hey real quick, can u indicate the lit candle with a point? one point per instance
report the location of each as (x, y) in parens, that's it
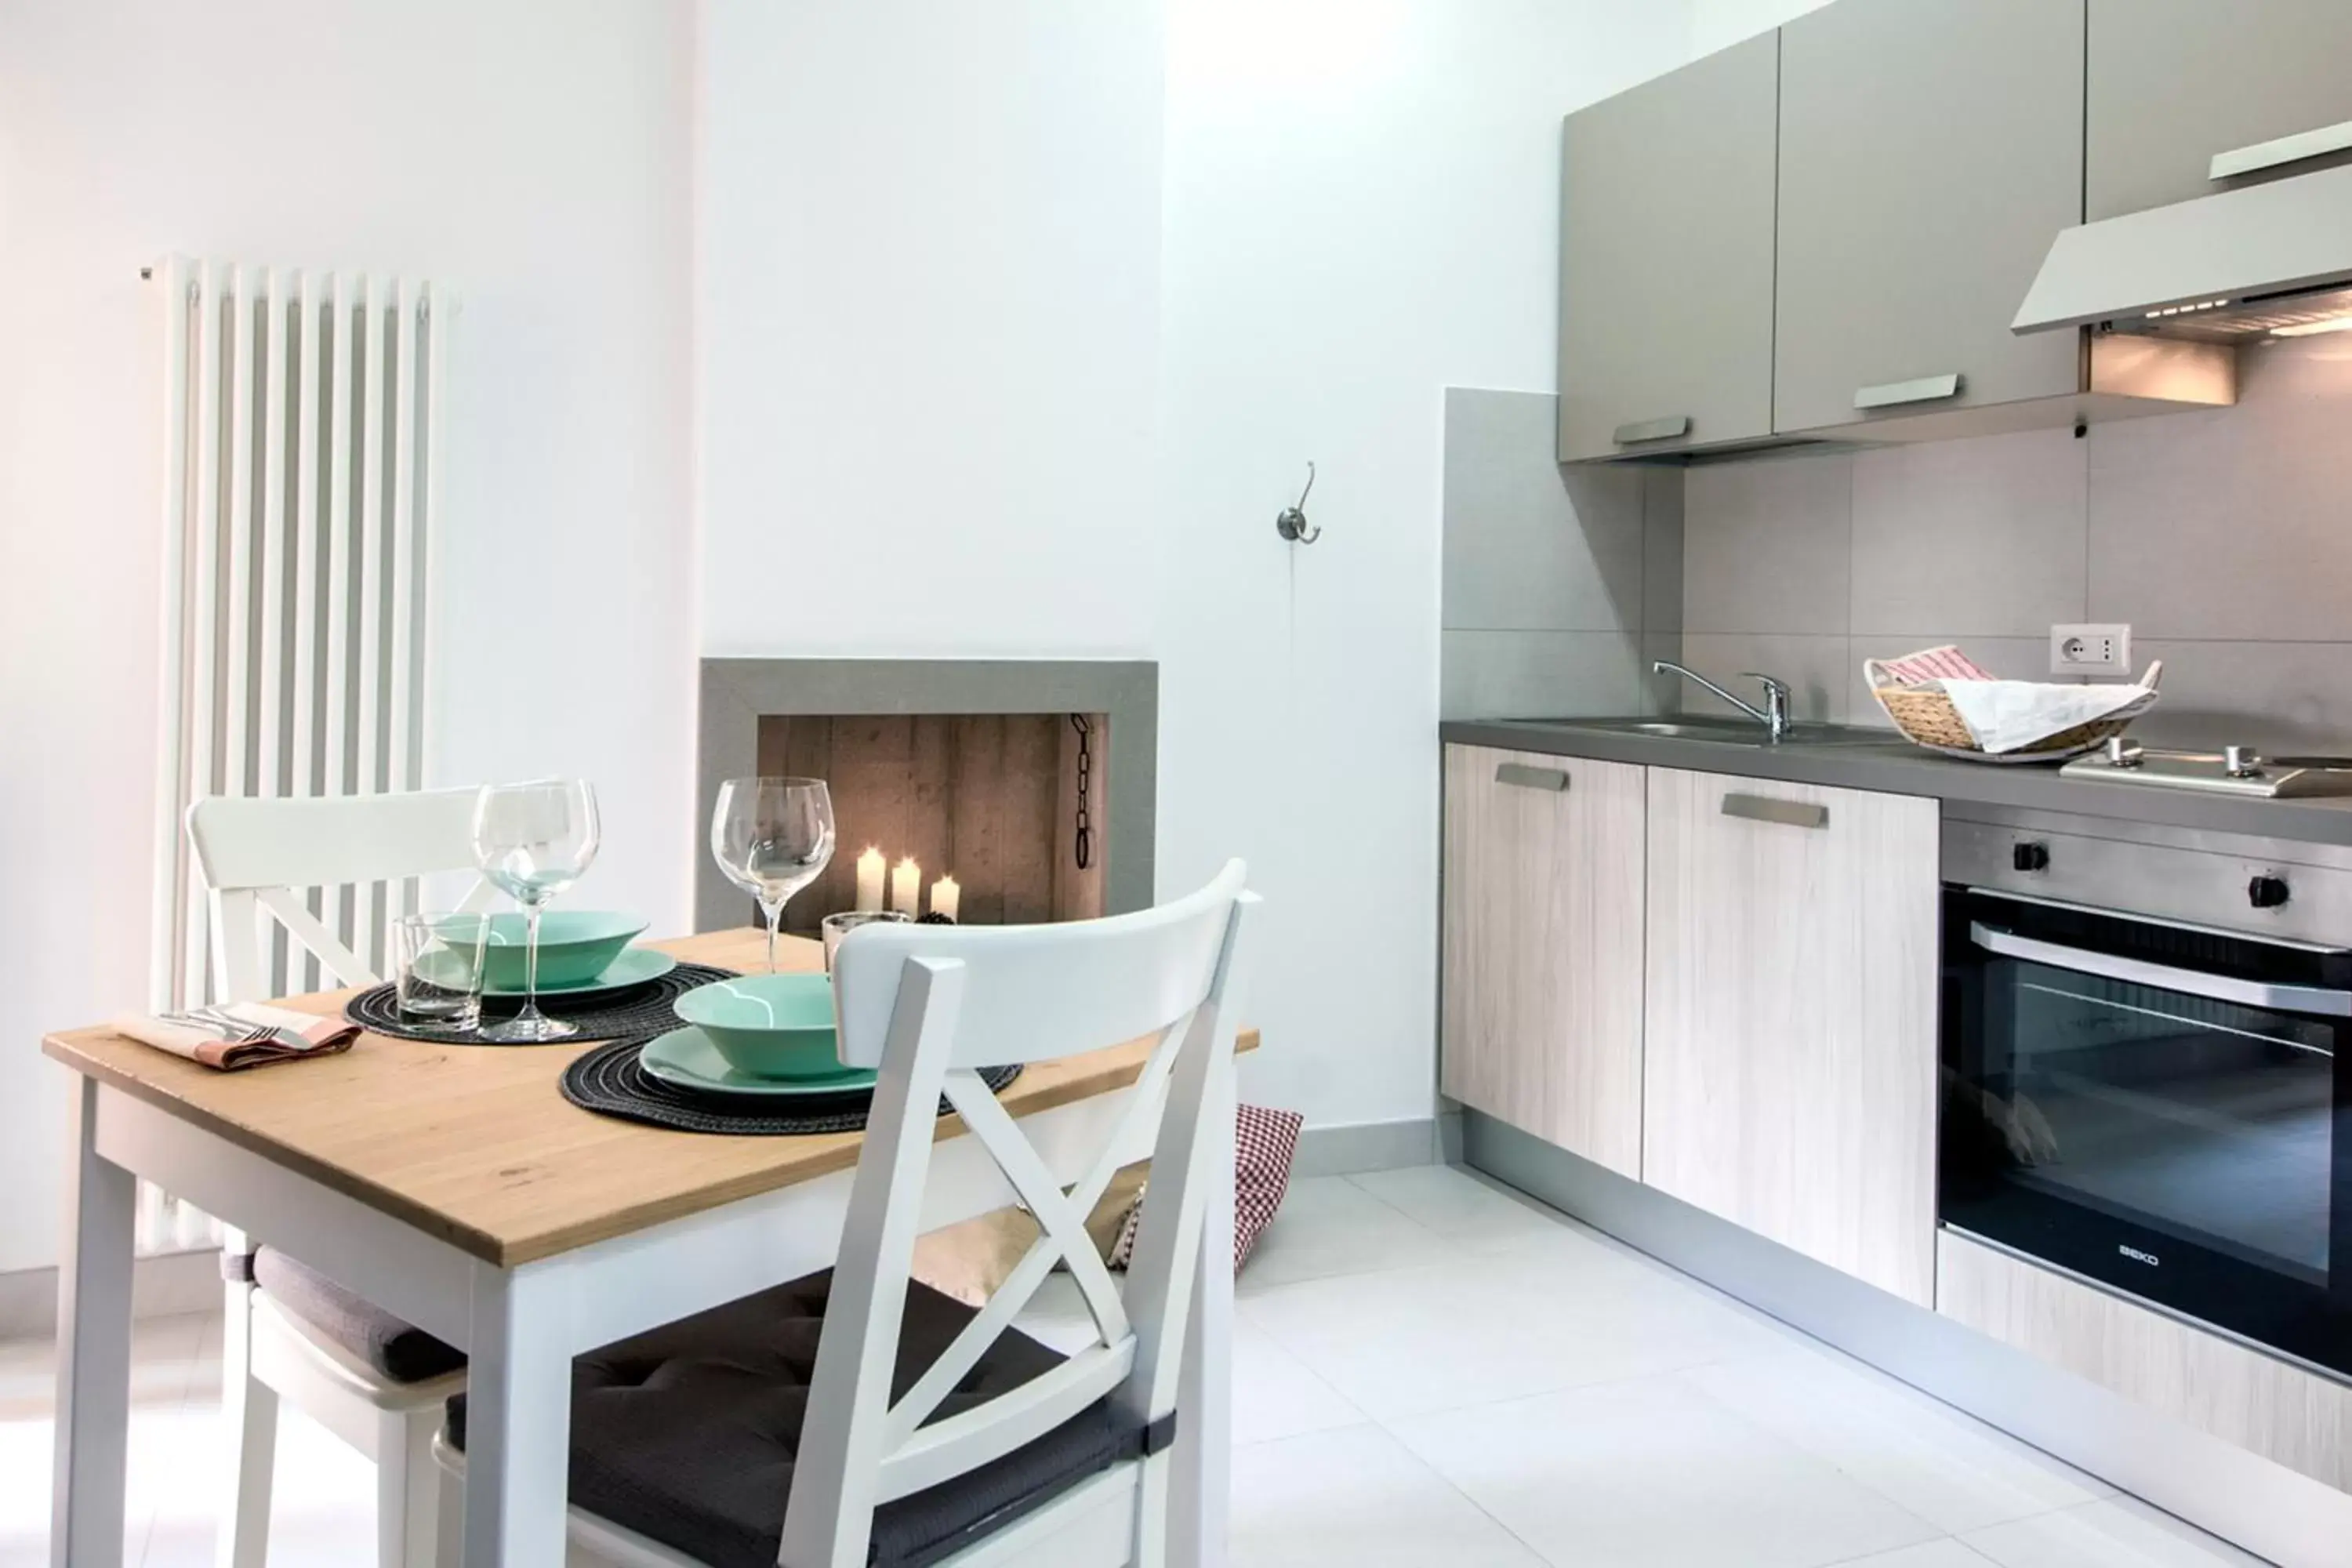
(870, 866)
(906, 887)
(946, 896)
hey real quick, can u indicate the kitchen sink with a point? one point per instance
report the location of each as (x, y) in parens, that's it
(1719, 732)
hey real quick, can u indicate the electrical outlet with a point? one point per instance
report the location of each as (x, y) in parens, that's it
(2101, 648)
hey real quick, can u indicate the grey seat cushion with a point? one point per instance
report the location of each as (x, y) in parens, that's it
(398, 1351)
(687, 1433)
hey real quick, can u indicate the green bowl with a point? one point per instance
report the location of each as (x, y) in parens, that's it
(769, 1025)
(574, 946)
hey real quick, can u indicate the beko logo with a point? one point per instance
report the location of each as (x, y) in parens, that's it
(2136, 1255)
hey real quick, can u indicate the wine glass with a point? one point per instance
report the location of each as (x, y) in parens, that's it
(532, 841)
(772, 837)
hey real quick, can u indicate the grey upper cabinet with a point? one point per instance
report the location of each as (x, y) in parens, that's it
(2174, 82)
(1929, 150)
(1666, 261)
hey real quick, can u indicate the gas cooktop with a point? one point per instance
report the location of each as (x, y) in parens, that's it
(2233, 770)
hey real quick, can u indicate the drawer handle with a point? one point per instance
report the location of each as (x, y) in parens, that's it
(1894, 393)
(2286, 150)
(1764, 808)
(1643, 430)
(1525, 777)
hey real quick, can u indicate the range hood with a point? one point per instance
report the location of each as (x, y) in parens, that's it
(2267, 260)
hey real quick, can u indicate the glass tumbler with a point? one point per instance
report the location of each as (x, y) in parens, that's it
(835, 927)
(439, 959)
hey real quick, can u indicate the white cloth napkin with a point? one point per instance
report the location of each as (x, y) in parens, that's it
(2010, 715)
(256, 1034)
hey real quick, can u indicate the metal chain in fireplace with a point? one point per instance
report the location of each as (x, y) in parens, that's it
(1083, 846)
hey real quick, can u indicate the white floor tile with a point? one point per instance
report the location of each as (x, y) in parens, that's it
(1329, 1226)
(2116, 1532)
(161, 1351)
(1357, 1499)
(322, 1494)
(1605, 1284)
(1458, 1206)
(1652, 1474)
(1928, 1554)
(1956, 1473)
(1274, 1395)
(1464, 1333)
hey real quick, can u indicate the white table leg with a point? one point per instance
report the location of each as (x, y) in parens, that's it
(248, 1429)
(1203, 1481)
(93, 1347)
(517, 1419)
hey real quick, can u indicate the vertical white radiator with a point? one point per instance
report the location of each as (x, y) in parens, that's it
(301, 436)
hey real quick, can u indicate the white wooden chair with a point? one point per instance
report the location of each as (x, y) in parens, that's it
(928, 1005)
(338, 1359)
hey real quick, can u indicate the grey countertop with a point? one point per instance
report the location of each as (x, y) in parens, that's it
(1900, 768)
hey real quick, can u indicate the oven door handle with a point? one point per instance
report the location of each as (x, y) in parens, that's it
(2139, 972)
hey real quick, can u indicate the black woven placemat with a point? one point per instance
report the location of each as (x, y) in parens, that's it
(611, 1081)
(636, 1012)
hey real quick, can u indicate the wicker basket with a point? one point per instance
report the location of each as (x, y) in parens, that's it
(1927, 718)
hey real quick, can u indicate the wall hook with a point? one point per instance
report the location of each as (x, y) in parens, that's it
(1292, 523)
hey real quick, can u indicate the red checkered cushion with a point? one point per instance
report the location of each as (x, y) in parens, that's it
(1264, 1144)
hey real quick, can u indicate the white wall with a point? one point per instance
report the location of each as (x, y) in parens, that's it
(1001, 373)
(535, 156)
(1361, 210)
(1718, 23)
(929, 295)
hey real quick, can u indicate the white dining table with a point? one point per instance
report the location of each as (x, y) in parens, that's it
(455, 1186)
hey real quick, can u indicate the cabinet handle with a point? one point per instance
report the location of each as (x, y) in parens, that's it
(1652, 430)
(1764, 808)
(1892, 393)
(2285, 150)
(1526, 777)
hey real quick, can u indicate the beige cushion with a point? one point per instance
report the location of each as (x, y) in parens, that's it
(969, 1262)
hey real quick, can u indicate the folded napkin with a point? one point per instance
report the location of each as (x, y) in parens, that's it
(247, 1035)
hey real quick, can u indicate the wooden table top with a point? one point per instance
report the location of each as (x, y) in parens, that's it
(478, 1145)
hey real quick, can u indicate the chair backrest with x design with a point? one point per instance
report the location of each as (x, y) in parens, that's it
(927, 1007)
(256, 854)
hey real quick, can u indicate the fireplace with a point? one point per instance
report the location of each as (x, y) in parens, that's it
(1029, 782)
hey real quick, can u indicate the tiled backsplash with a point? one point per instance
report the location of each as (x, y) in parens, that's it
(1559, 583)
(2224, 538)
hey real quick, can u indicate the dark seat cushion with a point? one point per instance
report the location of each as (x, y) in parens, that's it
(398, 1351)
(688, 1434)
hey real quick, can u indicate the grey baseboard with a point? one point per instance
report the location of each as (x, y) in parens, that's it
(1349, 1148)
(2266, 1509)
(161, 1286)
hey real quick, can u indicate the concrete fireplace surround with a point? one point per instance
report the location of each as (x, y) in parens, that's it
(737, 693)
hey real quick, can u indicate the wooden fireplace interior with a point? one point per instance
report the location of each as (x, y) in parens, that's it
(991, 799)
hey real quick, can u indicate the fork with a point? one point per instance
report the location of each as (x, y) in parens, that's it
(234, 1030)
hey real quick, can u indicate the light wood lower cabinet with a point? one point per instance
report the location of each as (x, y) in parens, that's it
(2196, 1377)
(1790, 1039)
(1542, 967)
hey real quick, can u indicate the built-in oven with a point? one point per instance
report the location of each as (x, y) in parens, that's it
(2144, 1081)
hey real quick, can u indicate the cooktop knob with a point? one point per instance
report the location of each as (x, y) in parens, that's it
(2030, 857)
(2267, 892)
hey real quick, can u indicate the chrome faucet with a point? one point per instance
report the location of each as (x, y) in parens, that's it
(1773, 715)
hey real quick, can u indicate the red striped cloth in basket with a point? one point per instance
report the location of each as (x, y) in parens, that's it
(1946, 663)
